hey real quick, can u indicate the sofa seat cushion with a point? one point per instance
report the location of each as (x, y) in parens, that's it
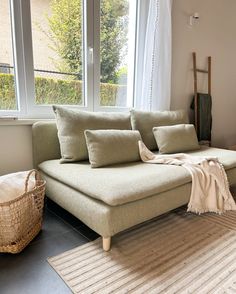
(123, 183)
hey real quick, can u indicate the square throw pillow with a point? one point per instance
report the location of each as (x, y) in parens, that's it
(177, 138)
(107, 147)
(71, 125)
(144, 121)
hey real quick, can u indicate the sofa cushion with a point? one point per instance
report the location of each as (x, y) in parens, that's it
(177, 138)
(145, 121)
(123, 183)
(106, 147)
(71, 125)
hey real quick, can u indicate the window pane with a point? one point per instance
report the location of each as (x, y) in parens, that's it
(57, 48)
(7, 85)
(117, 44)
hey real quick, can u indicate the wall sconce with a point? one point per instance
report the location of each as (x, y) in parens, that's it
(193, 19)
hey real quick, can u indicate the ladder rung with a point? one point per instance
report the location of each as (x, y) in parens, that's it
(202, 70)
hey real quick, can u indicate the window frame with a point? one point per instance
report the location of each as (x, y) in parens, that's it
(21, 27)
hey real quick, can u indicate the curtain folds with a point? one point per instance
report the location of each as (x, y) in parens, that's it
(153, 77)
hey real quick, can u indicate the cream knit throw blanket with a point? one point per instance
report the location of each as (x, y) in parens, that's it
(13, 185)
(210, 189)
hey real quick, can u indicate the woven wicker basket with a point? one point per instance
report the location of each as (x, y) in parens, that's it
(21, 218)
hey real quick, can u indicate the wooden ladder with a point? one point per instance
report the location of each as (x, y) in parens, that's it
(195, 71)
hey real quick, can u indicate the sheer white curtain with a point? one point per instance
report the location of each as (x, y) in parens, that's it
(153, 66)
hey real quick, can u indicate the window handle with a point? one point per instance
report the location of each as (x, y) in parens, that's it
(90, 51)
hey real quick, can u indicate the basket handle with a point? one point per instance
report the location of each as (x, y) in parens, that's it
(37, 177)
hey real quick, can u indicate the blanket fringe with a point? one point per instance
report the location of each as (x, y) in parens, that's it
(201, 210)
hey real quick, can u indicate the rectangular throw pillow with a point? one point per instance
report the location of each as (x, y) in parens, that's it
(178, 138)
(144, 121)
(107, 147)
(71, 125)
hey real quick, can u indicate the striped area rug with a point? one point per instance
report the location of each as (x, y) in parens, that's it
(175, 253)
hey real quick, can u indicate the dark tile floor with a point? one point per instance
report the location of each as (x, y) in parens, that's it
(29, 272)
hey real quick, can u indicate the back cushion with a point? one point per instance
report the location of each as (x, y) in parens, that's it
(177, 138)
(71, 125)
(145, 121)
(107, 147)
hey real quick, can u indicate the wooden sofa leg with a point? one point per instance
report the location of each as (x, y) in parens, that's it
(106, 243)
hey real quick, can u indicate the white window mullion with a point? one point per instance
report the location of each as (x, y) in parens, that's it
(89, 54)
(131, 52)
(28, 57)
(142, 16)
(96, 73)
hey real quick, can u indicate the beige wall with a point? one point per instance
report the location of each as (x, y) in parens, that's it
(214, 35)
(15, 149)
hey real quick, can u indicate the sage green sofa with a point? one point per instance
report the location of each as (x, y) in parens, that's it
(114, 198)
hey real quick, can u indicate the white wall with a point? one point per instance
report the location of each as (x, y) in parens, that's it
(214, 35)
(15, 148)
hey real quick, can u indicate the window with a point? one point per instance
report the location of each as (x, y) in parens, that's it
(7, 84)
(79, 53)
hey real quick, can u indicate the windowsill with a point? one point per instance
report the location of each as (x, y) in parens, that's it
(21, 122)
